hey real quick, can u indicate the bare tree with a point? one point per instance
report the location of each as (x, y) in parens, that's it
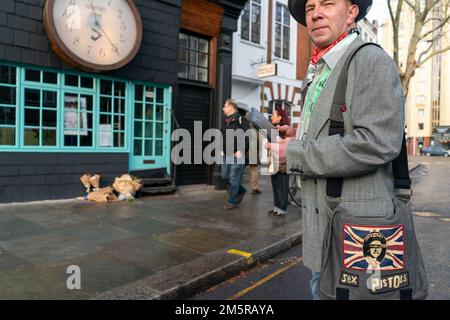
(431, 17)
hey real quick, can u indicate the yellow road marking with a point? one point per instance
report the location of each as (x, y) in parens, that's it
(264, 280)
(427, 214)
(445, 219)
(248, 255)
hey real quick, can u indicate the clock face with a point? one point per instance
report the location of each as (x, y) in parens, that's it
(95, 34)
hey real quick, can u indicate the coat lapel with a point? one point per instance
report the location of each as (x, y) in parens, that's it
(322, 108)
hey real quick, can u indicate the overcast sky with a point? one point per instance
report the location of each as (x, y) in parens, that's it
(379, 11)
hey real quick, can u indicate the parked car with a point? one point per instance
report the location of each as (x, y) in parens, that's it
(436, 151)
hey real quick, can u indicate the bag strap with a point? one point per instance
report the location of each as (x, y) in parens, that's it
(399, 165)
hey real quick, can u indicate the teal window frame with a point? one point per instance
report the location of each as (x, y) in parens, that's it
(61, 89)
(5, 106)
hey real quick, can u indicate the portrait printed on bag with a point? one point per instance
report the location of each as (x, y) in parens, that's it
(373, 247)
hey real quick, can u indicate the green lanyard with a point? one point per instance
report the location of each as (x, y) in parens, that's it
(312, 96)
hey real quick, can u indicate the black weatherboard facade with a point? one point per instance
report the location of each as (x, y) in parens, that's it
(29, 176)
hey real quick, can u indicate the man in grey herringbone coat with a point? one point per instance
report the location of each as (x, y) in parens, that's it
(373, 122)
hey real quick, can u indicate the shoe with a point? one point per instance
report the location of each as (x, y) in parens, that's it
(256, 191)
(240, 197)
(279, 214)
(229, 206)
(271, 212)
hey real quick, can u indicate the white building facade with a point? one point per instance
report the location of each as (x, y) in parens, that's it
(267, 34)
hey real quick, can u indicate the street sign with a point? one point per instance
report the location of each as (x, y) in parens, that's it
(267, 70)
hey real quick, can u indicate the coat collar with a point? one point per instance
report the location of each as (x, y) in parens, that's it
(322, 109)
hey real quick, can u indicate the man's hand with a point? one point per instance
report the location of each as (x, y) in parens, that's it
(238, 154)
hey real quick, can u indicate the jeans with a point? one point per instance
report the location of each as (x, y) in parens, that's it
(280, 187)
(233, 173)
(315, 285)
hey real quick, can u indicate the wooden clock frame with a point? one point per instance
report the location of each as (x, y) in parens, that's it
(68, 56)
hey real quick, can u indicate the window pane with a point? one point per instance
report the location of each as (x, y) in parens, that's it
(86, 140)
(119, 105)
(138, 93)
(105, 104)
(193, 58)
(71, 80)
(256, 22)
(203, 45)
(278, 41)
(149, 94)
(159, 95)
(149, 129)
(137, 147)
(193, 43)
(48, 137)
(203, 60)
(183, 40)
(148, 147)
(87, 82)
(50, 100)
(286, 17)
(32, 117)
(278, 13)
(32, 98)
(7, 136)
(119, 89)
(70, 141)
(182, 71)
(159, 130)
(50, 77)
(49, 118)
(138, 129)
(119, 123)
(202, 74)
(192, 73)
(119, 139)
(7, 116)
(7, 95)
(105, 119)
(86, 103)
(8, 75)
(32, 75)
(158, 148)
(149, 112)
(105, 87)
(71, 122)
(183, 55)
(138, 111)
(31, 137)
(286, 43)
(159, 113)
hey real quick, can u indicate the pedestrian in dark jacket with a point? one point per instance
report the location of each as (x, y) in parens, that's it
(233, 167)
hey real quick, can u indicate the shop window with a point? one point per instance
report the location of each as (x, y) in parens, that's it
(193, 58)
(40, 118)
(49, 110)
(8, 107)
(112, 114)
(282, 31)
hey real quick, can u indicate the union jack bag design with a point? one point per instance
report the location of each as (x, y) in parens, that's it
(373, 247)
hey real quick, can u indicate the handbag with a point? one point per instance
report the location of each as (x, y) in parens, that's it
(370, 258)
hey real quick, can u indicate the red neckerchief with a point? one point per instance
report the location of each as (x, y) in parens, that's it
(319, 53)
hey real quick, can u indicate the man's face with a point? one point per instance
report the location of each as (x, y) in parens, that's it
(228, 109)
(327, 20)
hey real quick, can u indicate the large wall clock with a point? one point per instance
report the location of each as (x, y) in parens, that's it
(94, 35)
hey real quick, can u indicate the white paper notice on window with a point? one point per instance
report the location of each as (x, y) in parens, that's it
(106, 135)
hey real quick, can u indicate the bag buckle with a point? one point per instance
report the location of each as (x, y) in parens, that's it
(404, 195)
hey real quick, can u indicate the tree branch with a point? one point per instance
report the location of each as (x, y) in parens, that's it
(434, 53)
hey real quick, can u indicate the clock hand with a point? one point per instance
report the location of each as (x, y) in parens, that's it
(97, 23)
